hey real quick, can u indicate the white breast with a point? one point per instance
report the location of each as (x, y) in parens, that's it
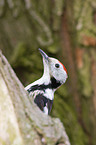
(49, 93)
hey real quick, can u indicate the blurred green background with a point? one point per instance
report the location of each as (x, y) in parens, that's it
(65, 30)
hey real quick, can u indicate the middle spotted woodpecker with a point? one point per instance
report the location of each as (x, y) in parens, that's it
(55, 74)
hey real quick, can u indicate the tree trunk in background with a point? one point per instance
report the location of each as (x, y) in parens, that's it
(64, 29)
(21, 121)
(79, 21)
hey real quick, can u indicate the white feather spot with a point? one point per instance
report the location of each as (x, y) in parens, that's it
(46, 110)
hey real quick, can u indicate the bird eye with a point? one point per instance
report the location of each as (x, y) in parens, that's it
(57, 65)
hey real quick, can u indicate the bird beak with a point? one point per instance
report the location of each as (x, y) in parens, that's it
(45, 56)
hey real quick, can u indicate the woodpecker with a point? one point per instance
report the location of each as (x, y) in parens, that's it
(55, 74)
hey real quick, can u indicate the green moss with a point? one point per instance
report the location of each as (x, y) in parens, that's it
(84, 19)
(85, 77)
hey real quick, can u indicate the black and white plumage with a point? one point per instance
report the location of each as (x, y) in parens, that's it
(55, 74)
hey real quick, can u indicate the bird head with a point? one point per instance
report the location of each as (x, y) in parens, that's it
(53, 68)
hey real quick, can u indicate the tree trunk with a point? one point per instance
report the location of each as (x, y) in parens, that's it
(21, 122)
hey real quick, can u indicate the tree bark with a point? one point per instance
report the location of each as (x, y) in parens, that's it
(21, 121)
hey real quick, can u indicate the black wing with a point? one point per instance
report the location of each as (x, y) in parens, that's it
(49, 105)
(39, 101)
(42, 101)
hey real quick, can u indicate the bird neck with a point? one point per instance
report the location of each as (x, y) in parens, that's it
(54, 83)
(43, 84)
(47, 82)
